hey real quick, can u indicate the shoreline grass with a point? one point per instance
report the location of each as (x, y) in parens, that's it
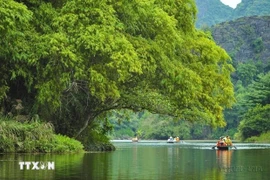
(34, 137)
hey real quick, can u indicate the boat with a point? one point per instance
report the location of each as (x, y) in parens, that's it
(224, 143)
(170, 141)
(173, 140)
(135, 139)
(224, 147)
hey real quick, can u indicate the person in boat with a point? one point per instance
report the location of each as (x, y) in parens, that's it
(221, 142)
(225, 140)
(228, 141)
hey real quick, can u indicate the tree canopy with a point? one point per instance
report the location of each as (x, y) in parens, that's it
(255, 122)
(79, 59)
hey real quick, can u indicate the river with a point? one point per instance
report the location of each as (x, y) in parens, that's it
(144, 160)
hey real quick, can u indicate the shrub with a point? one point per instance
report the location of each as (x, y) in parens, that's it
(33, 137)
(265, 137)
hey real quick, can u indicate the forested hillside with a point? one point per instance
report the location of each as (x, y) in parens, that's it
(211, 12)
(247, 40)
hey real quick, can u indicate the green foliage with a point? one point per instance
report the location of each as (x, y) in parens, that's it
(264, 137)
(33, 137)
(248, 97)
(65, 144)
(246, 72)
(259, 91)
(258, 45)
(255, 122)
(145, 125)
(15, 30)
(75, 61)
(256, 100)
(96, 140)
(246, 41)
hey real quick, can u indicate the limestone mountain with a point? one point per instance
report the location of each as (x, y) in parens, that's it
(211, 12)
(246, 38)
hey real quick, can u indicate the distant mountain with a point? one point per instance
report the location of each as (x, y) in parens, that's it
(211, 12)
(251, 8)
(245, 39)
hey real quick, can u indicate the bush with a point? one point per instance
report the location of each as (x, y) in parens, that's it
(255, 122)
(265, 137)
(33, 137)
(96, 141)
(66, 144)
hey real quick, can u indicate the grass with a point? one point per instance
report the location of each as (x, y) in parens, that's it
(34, 137)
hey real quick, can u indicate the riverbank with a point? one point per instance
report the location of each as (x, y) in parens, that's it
(34, 137)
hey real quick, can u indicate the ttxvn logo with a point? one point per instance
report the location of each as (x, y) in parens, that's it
(36, 165)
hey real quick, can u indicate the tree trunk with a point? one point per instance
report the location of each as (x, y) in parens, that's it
(85, 125)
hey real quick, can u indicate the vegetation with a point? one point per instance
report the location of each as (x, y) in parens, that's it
(34, 137)
(264, 137)
(256, 120)
(73, 62)
(145, 125)
(86, 66)
(247, 43)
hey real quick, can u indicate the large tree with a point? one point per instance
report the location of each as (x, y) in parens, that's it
(95, 56)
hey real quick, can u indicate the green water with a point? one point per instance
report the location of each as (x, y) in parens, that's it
(146, 160)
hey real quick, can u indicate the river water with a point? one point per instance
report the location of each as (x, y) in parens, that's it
(144, 160)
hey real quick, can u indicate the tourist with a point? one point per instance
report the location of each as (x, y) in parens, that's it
(229, 141)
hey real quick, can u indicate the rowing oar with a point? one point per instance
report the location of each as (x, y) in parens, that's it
(235, 147)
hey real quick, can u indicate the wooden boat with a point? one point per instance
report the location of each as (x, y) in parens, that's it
(224, 147)
(221, 144)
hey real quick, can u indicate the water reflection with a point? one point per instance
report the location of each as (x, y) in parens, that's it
(224, 158)
(64, 163)
(146, 161)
